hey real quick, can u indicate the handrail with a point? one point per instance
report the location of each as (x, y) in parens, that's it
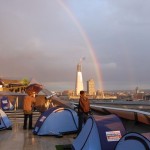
(130, 114)
(122, 109)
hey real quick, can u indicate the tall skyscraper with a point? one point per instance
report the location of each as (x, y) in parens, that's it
(91, 87)
(79, 79)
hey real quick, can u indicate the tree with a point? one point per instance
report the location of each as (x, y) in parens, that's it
(25, 81)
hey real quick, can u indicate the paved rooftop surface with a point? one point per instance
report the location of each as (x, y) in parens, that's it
(19, 139)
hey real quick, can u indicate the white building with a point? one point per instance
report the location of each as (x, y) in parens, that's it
(79, 79)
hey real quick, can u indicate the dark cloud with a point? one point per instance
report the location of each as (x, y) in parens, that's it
(45, 40)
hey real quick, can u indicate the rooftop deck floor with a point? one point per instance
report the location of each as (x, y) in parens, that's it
(19, 139)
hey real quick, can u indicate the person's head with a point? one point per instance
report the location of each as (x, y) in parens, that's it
(29, 93)
(82, 92)
(33, 94)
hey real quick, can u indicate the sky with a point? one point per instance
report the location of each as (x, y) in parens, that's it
(45, 40)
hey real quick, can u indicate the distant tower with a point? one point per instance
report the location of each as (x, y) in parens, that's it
(91, 87)
(79, 80)
(137, 90)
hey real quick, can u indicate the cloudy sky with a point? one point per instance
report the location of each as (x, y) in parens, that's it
(45, 39)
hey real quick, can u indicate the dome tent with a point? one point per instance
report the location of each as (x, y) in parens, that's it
(56, 121)
(99, 133)
(5, 123)
(6, 104)
(133, 141)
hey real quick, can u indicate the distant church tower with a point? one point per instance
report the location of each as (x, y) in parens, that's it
(79, 79)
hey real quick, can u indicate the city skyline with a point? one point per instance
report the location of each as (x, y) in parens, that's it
(45, 40)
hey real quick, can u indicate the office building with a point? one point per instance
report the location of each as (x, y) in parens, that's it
(91, 87)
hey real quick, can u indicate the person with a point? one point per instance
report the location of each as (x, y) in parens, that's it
(83, 110)
(28, 105)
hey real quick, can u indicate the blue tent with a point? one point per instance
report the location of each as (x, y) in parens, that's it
(6, 104)
(5, 123)
(147, 135)
(133, 141)
(56, 121)
(99, 133)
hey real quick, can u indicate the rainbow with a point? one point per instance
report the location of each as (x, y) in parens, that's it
(87, 42)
